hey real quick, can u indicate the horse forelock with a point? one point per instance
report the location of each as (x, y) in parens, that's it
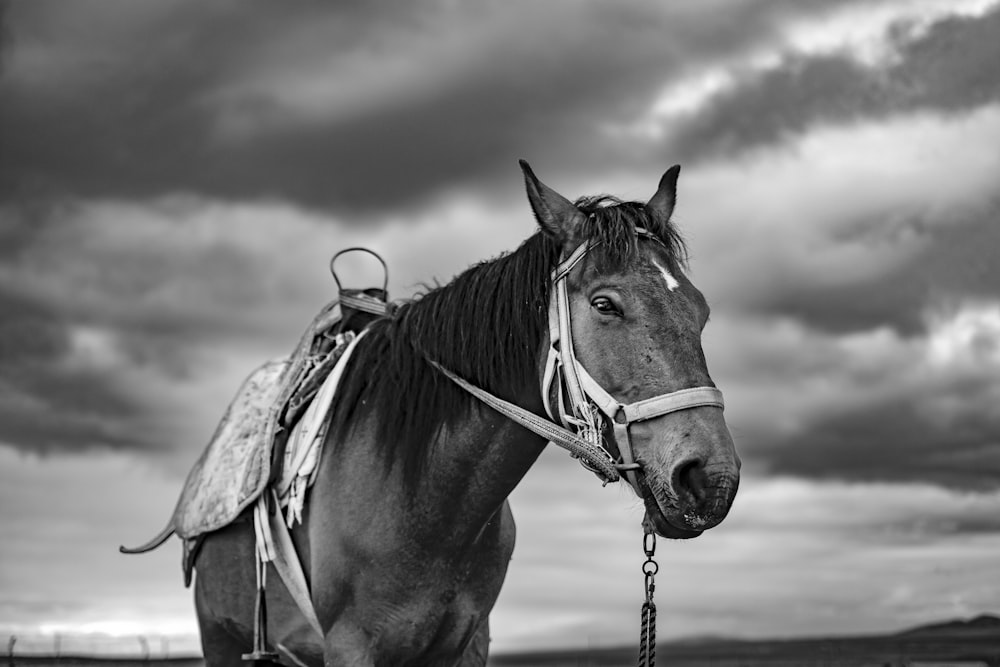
(486, 325)
(612, 222)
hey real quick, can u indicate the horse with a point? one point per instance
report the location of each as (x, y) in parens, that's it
(407, 532)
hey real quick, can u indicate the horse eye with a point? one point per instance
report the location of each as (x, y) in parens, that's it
(603, 304)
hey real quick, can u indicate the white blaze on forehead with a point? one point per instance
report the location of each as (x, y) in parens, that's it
(672, 283)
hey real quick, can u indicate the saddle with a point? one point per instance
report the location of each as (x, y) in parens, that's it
(248, 453)
(249, 443)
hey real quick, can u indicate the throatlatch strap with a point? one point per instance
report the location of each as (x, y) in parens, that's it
(597, 458)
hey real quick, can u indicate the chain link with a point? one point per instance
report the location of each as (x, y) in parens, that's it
(647, 628)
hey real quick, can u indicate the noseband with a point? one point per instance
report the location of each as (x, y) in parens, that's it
(582, 430)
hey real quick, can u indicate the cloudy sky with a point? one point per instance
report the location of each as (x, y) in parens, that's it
(175, 176)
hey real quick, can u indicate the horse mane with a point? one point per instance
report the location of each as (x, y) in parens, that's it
(486, 326)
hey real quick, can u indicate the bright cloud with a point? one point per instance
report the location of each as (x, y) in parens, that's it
(868, 33)
(968, 336)
(104, 499)
(865, 31)
(812, 373)
(833, 227)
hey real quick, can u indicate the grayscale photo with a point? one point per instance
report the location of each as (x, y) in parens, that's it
(507, 333)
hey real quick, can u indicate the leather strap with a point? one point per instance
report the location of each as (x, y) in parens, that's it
(597, 458)
(565, 266)
(684, 399)
(648, 408)
(364, 303)
(567, 356)
(275, 545)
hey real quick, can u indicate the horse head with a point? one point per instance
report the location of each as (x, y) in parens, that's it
(636, 322)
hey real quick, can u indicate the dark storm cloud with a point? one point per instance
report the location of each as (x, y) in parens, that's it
(879, 407)
(98, 327)
(895, 442)
(104, 99)
(117, 100)
(4, 36)
(56, 411)
(949, 68)
(28, 331)
(956, 261)
(59, 392)
(121, 100)
(972, 526)
(48, 405)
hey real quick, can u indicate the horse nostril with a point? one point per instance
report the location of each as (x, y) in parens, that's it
(689, 476)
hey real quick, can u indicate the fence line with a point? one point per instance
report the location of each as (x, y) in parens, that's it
(139, 646)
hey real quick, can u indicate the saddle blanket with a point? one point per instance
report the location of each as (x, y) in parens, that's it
(283, 402)
(235, 466)
(305, 442)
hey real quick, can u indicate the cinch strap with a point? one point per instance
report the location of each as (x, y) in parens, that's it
(274, 545)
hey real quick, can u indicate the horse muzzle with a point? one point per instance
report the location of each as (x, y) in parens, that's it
(690, 472)
(691, 509)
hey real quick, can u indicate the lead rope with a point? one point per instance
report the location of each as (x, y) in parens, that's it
(647, 630)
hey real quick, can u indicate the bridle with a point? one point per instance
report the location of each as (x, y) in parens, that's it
(588, 403)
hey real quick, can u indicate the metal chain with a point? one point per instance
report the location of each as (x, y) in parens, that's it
(647, 629)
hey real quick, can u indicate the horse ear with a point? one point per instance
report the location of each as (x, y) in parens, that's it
(662, 203)
(556, 215)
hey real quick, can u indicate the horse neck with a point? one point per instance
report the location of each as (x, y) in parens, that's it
(474, 462)
(448, 456)
(478, 460)
(478, 457)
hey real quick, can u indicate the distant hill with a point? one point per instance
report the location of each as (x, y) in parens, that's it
(984, 624)
(960, 642)
(970, 642)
